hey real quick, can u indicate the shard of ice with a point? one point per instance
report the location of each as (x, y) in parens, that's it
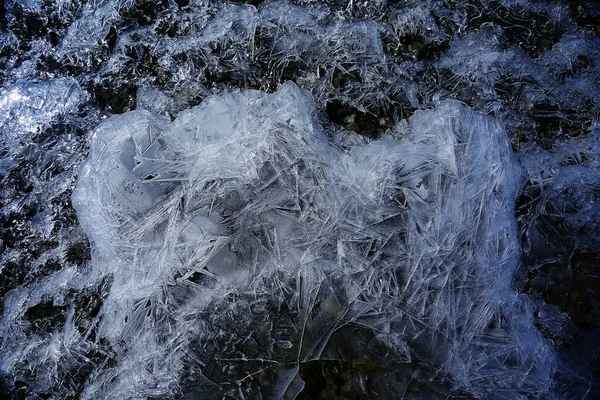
(241, 243)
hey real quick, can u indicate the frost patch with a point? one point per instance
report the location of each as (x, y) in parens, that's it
(240, 240)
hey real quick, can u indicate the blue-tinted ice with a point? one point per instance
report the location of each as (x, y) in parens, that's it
(243, 200)
(255, 243)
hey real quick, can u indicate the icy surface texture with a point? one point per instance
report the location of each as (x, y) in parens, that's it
(559, 219)
(242, 206)
(25, 106)
(532, 66)
(563, 183)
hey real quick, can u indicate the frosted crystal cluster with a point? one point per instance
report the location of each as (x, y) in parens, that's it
(381, 199)
(242, 206)
(25, 106)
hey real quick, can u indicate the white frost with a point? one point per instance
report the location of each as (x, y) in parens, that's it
(243, 201)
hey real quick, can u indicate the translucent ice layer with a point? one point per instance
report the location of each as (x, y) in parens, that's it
(238, 240)
(251, 245)
(26, 106)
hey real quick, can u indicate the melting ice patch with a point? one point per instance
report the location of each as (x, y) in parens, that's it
(240, 240)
